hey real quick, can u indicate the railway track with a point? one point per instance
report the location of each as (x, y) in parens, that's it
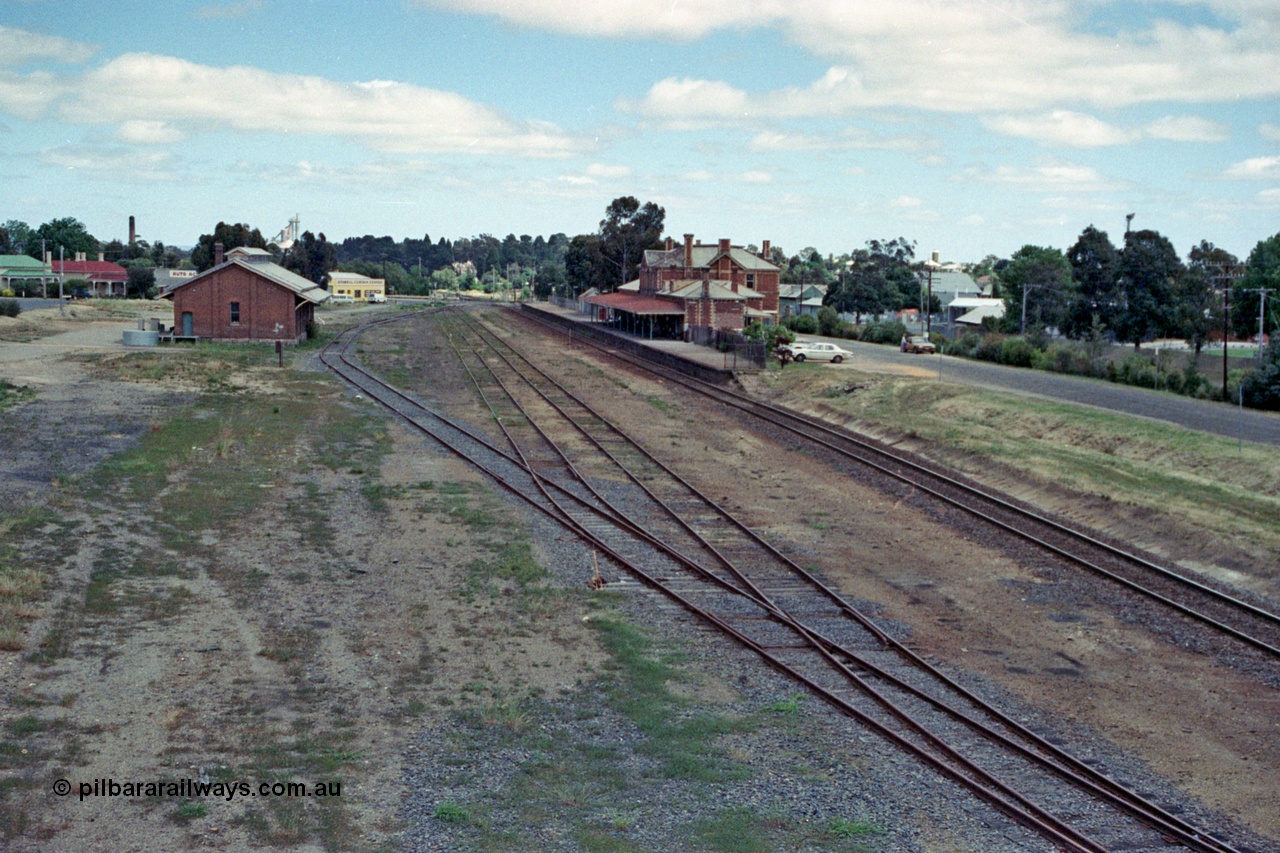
(1225, 613)
(570, 462)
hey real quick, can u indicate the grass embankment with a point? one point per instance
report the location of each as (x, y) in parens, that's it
(1215, 491)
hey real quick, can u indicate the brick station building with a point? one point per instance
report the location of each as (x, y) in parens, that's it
(713, 286)
(245, 297)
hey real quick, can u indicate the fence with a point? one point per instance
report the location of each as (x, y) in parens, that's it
(741, 352)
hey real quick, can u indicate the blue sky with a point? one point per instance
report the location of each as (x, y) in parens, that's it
(970, 126)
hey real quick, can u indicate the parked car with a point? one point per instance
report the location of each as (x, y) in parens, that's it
(376, 297)
(917, 344)
(341, 297)
(806, 351)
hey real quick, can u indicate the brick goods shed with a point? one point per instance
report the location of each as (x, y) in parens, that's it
(245, 297)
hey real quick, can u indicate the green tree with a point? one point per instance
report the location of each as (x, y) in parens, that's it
(628, 228)
(231, 237)
(1150, 277)
(1263, 272)
(584, 263)
(16, 239)
(64, 237)
(1199, 306)
(142, 278)
(1261, 388)
(1095, 266)
(1044, 274)
(314, 257)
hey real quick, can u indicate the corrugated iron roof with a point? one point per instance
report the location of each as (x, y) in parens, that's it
(100, 270)
(633, 304)
(274, 273)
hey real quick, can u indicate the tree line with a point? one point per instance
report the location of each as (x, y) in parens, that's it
(1132, 292)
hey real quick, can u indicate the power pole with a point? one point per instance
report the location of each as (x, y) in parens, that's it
(1262, 304)
(1226, 277)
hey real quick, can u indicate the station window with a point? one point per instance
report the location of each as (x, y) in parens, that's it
(235, 313)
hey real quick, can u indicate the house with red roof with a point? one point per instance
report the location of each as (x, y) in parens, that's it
(710, 285)
(103, 277)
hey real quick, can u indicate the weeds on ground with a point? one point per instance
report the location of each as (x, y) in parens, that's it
(12, 395)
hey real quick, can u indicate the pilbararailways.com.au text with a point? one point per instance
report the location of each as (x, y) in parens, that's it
(191, 788)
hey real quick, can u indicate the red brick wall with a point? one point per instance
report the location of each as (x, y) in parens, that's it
(266, 309)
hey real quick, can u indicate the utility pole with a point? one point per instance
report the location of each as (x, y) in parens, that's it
(1226, 277)
(1262, 304)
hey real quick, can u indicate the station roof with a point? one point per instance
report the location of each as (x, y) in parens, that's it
(633, 304)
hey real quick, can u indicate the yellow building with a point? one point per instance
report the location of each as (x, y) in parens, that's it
(357, 286)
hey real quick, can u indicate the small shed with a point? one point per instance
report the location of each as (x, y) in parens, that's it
(246, 297)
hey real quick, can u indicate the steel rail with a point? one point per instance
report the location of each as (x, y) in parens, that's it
(825, 646)
(1080, 773)
(787, 419)
(1001, 798)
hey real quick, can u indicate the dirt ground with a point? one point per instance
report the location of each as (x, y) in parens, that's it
(254, 575)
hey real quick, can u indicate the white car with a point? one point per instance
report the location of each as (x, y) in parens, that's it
(813, 351)
(376, 297)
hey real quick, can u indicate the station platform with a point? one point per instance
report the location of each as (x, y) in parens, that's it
(693, 359)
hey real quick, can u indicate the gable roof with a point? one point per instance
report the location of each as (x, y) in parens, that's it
(20, 262)
(705, 256)
(716, 290)
(97, 270)
(273, 273)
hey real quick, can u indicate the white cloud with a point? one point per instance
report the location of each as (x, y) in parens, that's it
(1255, 169)
(702, 176)
(681, 21)
(847, 139)
(381, 174)
(1270, 198)
(905, 201)
(214, 12)
(1062, 127)
(600, 170)
(1046, 177)
(113, 164)
(1269, 131)
(1187, 129)
(148, 132)
(29, 95)
(18, 47)
(957, 56)
(384, 116)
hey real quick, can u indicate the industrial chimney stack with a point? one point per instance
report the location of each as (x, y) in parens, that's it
(133, 232)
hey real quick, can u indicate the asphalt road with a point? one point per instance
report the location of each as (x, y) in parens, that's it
(1217, 418)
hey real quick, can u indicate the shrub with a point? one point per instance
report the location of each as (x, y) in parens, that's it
(10, 307)
(1261, 388)
(989, 347)
(1016, 352)
(888, 332)
(805, 324)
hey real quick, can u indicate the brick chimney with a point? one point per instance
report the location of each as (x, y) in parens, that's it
(724, 245)
(217, 254)
(764, 249)
(688, 250)
(670, 244)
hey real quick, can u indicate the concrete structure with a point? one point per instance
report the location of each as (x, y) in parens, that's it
(715, 287)
(356, 286)
(245, 297)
